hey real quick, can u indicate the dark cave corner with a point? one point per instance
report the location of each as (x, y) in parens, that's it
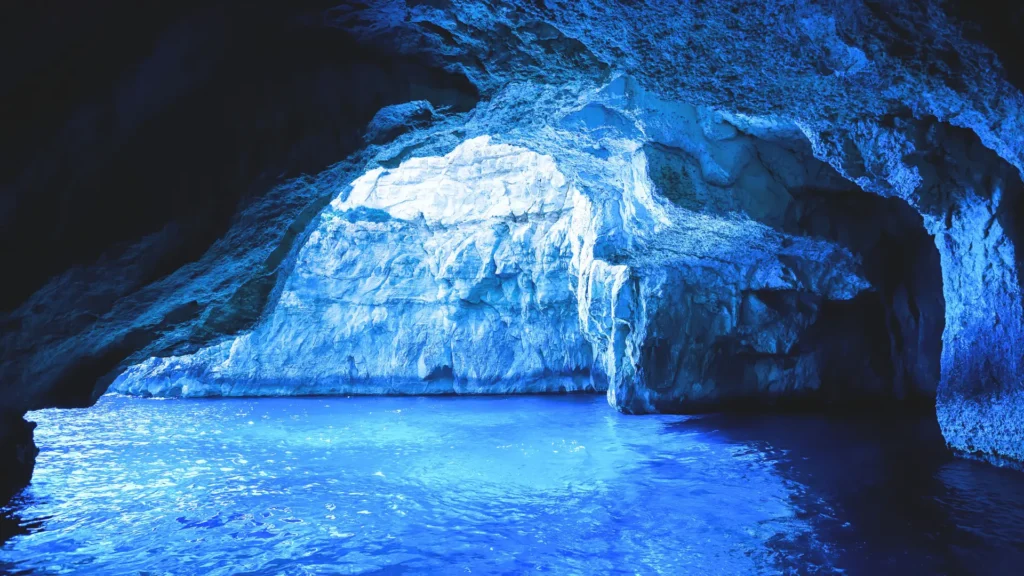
(134, 149)
(18, 454)
(882, 348)
(790, 350)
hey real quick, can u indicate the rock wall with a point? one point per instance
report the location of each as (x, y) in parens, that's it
(974, 203)
(488, 270)
(445, 275)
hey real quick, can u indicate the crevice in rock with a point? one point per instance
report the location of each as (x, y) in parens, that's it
(887, 342)
(792, 348)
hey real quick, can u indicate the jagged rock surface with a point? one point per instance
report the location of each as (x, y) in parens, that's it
(447, 274)
(490, 271)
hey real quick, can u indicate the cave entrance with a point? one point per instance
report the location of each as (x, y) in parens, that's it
(884, 345)
(768, 326)
(797, 349)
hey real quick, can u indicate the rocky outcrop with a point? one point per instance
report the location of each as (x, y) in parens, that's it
(446, 274)
(18, 453)
(488, 270)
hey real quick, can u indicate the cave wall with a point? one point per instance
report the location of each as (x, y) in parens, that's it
(149, 146)
(488, 270)
(444, 275)
(177, 119)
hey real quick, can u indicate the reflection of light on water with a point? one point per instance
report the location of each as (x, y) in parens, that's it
(483, 484)
(983, 506)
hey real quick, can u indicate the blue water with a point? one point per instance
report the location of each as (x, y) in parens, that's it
(559, 485)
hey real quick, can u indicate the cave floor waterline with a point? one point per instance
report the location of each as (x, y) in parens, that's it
(500, 485)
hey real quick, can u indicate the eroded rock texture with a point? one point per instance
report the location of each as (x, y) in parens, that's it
(447, 274)
(669, 200)
(489, 270)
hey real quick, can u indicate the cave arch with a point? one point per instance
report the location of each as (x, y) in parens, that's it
(791, 345)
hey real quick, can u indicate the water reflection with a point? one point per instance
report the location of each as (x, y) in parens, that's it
(499, 486)
(885, 494)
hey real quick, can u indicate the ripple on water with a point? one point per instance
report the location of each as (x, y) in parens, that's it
(481, 485)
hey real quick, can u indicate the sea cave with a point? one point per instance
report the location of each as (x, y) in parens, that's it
(510, 286)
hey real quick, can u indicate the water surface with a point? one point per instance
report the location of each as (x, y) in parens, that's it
(560, 485)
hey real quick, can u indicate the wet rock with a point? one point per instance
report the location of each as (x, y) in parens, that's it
(18, 453)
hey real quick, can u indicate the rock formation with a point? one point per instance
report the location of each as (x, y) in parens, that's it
(476, 272)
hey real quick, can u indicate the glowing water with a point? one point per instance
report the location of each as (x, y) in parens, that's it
(485, 485)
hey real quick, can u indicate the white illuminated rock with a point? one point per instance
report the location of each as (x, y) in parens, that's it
(486, 271)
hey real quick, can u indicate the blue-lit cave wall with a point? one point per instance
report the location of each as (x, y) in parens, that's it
(165, 133)
(690, 206)
(135, 140)
(496, 269)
